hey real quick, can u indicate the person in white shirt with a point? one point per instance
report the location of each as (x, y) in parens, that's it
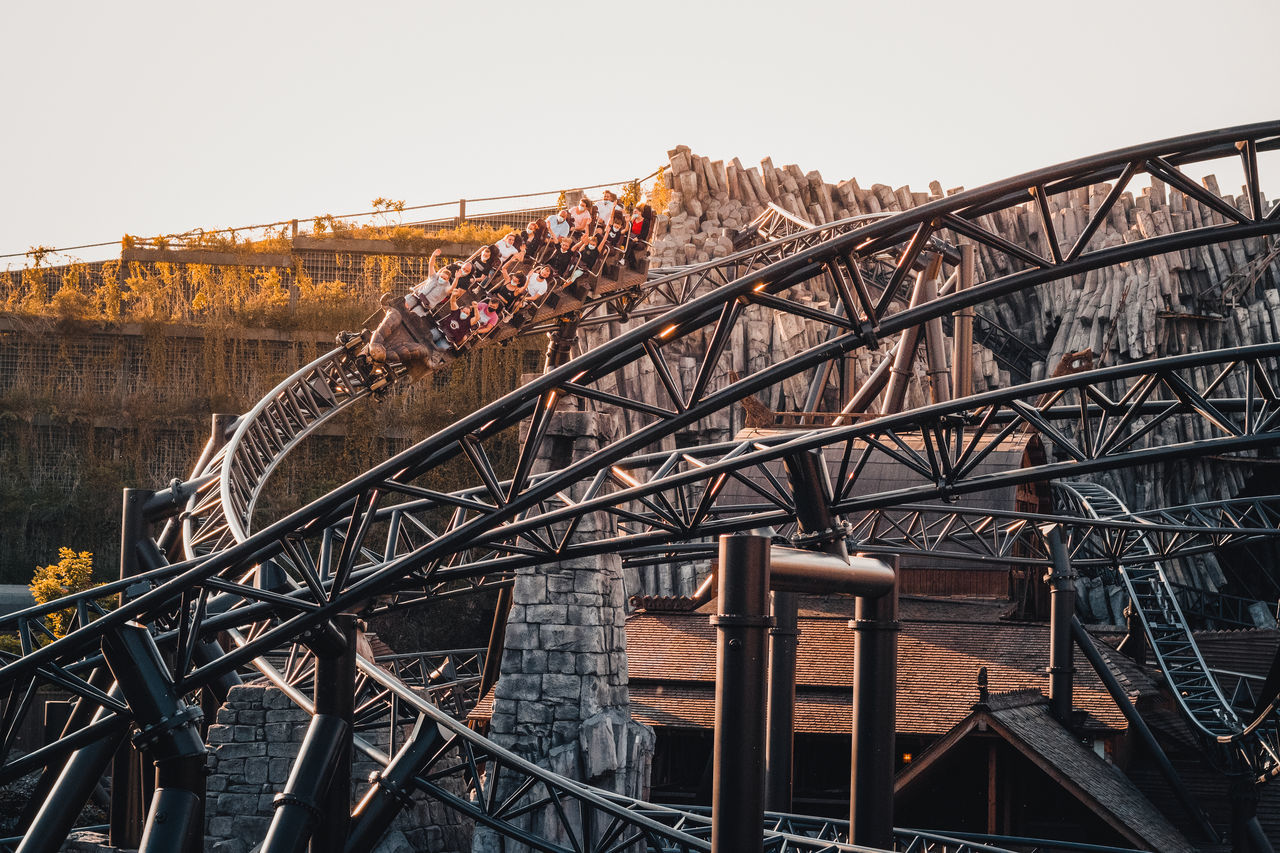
(538, 281)
(433, 290)
(508, 247)
(580, 216)
(558, 223)
(606, 206)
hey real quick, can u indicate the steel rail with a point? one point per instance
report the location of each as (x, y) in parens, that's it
(806, 255)
(1241, 748)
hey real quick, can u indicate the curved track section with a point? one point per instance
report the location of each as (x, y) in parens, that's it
(1011, 351)
(1251, 748)
(530, 805)
(388, 529)
(219, 515)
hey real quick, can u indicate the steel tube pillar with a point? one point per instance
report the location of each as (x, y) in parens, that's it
(784, 638)
(1062, 610)
(962, 342)
(1139, 726)
(737, 793)
(82, 714)
(901, 372)
(168, 734)
(874, 693)
(130, 791)
(335, 696)
(867, 391)
(1246, 833)
(935, 348)
(298, 807)
(62, 803)
(811, 491)
(391, 788)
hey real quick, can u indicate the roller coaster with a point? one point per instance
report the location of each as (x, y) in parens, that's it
(389, 538)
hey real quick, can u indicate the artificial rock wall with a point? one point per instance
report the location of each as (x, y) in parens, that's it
(1195, 299)
(561, 700)
(252, 746)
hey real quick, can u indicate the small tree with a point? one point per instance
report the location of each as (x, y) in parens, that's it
(660, 195)
(72, 573)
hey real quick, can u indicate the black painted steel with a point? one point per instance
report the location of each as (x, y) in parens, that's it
(784, 637)
(298, 809)
(168, 735)
(742, 618)
(391, 789)
(1118, 694)
(491, 531)
(81, 772)
(174, 821)
(335, 694)
(875, 668)
(811, 489)
(1249, 748)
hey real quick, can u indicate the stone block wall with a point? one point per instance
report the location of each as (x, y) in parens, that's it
(561, 701)
(252, 746)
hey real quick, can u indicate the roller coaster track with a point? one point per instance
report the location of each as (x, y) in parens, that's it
(1251, 748)
(1009, 349)
(527, 803)
(435, 541)
(996, 537)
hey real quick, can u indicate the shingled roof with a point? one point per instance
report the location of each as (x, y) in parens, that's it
(1022, 719)
(671, 661)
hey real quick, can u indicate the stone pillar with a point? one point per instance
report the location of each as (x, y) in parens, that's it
(561, 700)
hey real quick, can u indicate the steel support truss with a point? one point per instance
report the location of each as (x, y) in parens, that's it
(387, 531)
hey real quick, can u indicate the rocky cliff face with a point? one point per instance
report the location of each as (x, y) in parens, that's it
(1191, 300)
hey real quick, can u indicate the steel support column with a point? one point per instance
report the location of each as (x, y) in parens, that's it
(784, 638)
(811, 491)
(1246, 833)
(130, 790)
(1062, 608)
(962, 342)
(67, 795)
(1139, 726)
(737, 794)
(298, 807)
(335, 696)
(874, 692)
(904, 359)
(391, 788)
(935, 349)
(168, 734)
(82, 714)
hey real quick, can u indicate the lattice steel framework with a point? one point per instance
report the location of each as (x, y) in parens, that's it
(389, 531)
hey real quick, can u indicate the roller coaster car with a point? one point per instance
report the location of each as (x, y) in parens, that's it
(401, 337)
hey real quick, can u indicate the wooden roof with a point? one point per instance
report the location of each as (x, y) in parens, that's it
(671, 665)
(1023, 720)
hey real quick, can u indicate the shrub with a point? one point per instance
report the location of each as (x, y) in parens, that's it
(72, 573)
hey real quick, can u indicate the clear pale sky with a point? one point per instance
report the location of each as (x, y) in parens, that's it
(151, 118)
